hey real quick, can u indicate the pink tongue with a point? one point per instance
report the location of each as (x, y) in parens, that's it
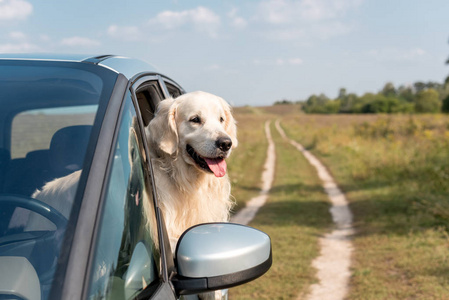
(217, 165)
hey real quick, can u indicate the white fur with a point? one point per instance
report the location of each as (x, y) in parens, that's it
(59, 194)
(187, 194)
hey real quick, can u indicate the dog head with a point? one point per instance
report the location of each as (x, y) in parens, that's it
(197, 127)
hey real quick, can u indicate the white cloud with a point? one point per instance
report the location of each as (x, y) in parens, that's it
(78, 41)
(326, 9)
(291, 11)
(126, 33)
(236, 21)
(331, 29)
(18, 47)
(239, 22)
(293, 61)
(396, 54)
(293, 20)
(413, 53)
(213, 67)
(15, 9)
(17, 35)
(279, 62)
(285, 34)
(44, 38)
(202, 19)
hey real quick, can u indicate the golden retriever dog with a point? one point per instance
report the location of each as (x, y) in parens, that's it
(189, 138)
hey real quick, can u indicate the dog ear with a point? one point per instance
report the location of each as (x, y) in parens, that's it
(162, 132)
(230, 124)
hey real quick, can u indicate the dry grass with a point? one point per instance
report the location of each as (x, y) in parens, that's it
(395, 171)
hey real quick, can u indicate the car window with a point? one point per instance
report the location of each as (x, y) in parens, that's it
(126, 256)
(148, 95)
(173, 90)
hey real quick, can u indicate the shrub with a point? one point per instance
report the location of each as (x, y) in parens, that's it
(427, 101)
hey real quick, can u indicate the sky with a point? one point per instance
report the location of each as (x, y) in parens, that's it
(248, 52)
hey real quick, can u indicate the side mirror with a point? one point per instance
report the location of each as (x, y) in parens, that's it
(218, 256)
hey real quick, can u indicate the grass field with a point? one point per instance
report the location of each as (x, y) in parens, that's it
(394, 171)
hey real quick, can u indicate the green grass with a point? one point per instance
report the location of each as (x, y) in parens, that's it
(295, 215)
(245, 165)
(395, 172)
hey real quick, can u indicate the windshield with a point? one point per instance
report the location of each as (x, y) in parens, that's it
(48, 112)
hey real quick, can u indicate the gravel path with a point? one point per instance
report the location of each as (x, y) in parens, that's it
(334, 262)
(245, 215)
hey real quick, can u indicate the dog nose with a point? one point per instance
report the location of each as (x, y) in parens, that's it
(224, 143)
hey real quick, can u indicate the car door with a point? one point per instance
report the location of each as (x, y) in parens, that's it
(129, 258)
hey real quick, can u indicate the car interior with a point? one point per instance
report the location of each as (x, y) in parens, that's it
(39, 141)
(20, 178)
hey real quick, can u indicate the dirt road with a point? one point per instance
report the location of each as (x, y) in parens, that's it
(334, 262)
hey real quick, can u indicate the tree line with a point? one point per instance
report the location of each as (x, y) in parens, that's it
(420, 97)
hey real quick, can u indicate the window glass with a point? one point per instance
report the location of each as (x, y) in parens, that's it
(148, 96)
(33, 129)
(126, 257)
(173, 90)
(48, 113)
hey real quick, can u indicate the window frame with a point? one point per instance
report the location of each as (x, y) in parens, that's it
(168, 80)
(167, 262)
(80, 242)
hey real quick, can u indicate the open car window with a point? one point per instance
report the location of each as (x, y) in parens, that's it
(127, 254)
(148, 95)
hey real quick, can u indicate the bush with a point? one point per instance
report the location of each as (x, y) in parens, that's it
(427, 101)
(445, 107)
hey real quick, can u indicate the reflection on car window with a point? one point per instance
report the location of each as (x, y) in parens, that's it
(33, 129)
(47, 113)
(45, 145)
(126, 258)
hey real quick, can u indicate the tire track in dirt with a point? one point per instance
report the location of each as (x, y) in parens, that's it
(246, 214)
(333, 264)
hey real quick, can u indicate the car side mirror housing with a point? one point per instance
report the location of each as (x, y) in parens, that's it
(217, 256)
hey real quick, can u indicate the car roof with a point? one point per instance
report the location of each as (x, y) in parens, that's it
(120, 64)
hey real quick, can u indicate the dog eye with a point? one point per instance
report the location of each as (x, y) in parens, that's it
(195, 120)
(221, 120)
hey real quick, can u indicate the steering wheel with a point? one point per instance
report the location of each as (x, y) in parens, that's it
(36, 206)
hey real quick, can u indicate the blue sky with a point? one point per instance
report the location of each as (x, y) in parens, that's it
(248, 52)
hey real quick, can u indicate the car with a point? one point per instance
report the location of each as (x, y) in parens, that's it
(67, 114)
